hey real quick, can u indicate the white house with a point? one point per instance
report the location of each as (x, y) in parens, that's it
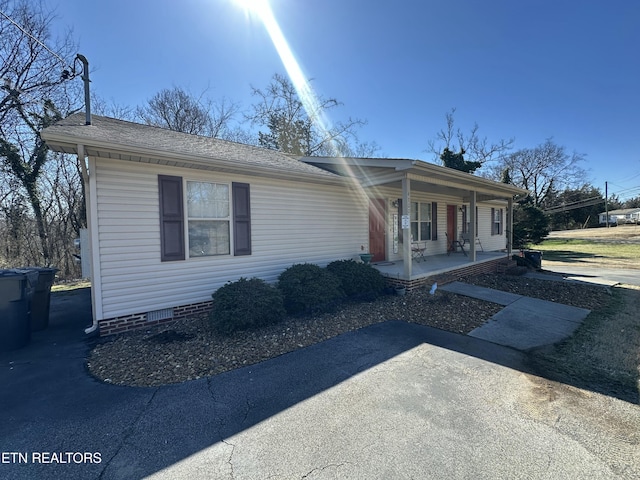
(172, 216)
(626, 215)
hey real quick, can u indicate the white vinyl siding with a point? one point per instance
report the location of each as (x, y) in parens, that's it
(292, 222)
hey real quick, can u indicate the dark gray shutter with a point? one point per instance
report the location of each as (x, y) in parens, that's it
(501, 221)
(171, 218)
(241, 218)
(434, 220)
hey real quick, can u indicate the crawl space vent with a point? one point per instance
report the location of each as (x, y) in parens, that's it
(163, 314)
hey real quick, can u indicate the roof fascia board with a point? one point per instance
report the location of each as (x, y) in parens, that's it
(467, 179)
(491, 189)
(429, 173)
(398, 164)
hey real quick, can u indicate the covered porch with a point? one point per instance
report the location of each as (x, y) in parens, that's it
(415, 205)
(437, 265)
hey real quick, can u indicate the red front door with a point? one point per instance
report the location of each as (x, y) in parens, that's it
(377, 229)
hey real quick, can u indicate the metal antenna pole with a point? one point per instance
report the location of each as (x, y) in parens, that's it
(85, 79)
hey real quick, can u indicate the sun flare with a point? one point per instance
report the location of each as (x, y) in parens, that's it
(253, 6)
(262, 10)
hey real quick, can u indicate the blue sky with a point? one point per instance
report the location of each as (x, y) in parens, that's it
(524, 69)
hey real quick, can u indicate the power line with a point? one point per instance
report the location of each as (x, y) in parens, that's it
(574, 205)
(625, 190)
(23, 30)
(627, 179)
(627, 193)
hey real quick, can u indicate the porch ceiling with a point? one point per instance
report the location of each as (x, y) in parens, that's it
(427, 187)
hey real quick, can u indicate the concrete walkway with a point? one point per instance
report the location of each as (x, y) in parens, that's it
(525, 322)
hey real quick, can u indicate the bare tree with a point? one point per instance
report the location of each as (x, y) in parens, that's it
(30, 70)
(178, 110)
(34, 94)
(111, 108)
(452, 144)
(543, 170)
(293, 129)
(362, 150)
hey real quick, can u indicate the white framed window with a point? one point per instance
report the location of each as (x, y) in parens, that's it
(496, 221)
(208, 218)
(420, 217)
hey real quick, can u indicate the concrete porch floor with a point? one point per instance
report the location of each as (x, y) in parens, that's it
(434, 264)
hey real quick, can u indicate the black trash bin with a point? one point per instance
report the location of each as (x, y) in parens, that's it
(16, 289)
(41, 298)
(534, 257)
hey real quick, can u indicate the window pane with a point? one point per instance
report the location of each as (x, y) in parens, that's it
(221, 198)
(208, 238)
(425, 230)
(207, 200)
(414, 211)
(414, 231)
(425, 212)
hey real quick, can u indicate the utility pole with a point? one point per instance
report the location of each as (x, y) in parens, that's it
(606, 201)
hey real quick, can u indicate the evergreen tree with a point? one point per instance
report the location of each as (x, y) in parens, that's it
(530, 224)
(457, 161)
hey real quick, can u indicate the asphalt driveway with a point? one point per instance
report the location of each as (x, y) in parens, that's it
(394, 400)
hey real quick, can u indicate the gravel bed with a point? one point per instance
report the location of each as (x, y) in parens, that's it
(188, 349)
(576, 294)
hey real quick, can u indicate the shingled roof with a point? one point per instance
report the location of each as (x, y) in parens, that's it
(119, 139)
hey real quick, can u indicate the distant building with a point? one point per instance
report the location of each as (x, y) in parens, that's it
(625, 215)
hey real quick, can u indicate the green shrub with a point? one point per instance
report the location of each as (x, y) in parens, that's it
(308, 288)
(246, 304)
(358, 279)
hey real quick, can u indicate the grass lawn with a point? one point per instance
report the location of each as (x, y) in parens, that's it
(591, 252)
(70, 286)
(604, 353)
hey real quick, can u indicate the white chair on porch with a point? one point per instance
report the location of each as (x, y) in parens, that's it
(417, 250)
(452, 245)
(466, 238)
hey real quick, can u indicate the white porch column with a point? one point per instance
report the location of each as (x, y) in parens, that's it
(406, 232)
(509, 226)
(472, 227)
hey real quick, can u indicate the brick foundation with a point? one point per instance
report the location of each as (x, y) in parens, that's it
(135, 321)
(499, 265)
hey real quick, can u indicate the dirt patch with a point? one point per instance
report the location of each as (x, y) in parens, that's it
(576, 294)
